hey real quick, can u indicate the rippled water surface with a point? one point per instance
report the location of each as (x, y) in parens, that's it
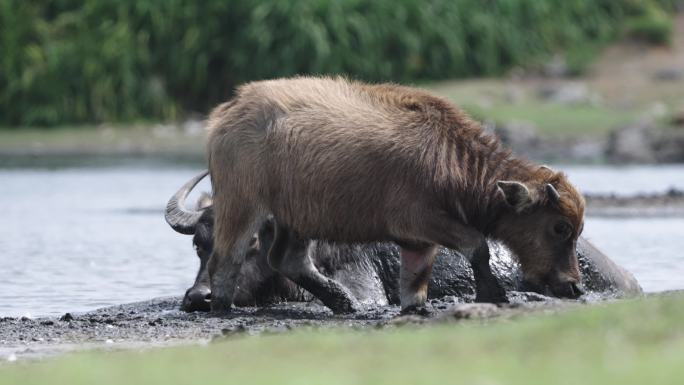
(74, 239)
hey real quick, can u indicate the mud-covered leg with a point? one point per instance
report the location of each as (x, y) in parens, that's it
(231, 242)
(454, 234)
(414, 276)
(487, 287)
(289, 256)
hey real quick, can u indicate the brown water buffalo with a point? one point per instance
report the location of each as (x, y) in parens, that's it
(349, 162)
(370, 271)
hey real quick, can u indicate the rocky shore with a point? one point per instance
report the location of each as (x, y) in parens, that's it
(667, 204)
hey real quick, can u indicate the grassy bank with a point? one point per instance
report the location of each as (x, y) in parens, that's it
(631, 342)
(145, 139)
(490, 100)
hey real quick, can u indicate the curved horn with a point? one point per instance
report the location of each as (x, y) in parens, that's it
(177, 215)
(553, 194)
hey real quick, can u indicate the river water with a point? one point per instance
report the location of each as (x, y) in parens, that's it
(78, 238)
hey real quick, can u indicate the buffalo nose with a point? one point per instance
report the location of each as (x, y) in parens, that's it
(197, 299)
(577, 290)
(570, 290)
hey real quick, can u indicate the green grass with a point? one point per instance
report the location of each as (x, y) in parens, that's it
(556, 119)
(142, 138)
(632, 342)
(485, 99)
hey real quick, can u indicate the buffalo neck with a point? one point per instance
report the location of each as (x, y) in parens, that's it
(479, 199)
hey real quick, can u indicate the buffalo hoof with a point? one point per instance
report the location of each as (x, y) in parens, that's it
(343, 305)
(421, 310)
(491, 292)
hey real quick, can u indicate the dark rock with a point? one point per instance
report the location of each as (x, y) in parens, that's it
(668, 145)
(518, 135)
(646, 142)
(567, 93)
(678, 117)
(557, 67)
(668, 74)
(238, 329)
(156, 322)
(67, 317)
(632, 143)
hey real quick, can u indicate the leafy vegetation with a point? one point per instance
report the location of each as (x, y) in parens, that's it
(87, 61)
(632, 342)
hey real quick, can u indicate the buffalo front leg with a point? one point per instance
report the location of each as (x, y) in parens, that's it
(232, 236)
(414, 276)
(456, 235)
(288, 255)
(487, 287)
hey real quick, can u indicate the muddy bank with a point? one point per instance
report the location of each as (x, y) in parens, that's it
(667, 204)
(159, 322)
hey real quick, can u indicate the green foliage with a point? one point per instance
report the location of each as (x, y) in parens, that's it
(88, 61)
(653, 26)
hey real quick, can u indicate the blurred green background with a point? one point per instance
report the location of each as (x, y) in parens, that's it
(87, 62)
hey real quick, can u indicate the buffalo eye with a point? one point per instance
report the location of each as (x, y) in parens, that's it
(562, 230)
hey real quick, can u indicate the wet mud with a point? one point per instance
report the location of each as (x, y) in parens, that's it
(160, 322)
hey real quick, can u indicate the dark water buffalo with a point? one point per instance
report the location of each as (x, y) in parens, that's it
(369, 271)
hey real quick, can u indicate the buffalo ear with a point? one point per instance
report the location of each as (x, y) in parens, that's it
(516, 194)
(554, 196)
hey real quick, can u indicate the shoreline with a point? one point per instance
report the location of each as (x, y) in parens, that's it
(668, 204)
(159, 322)
(186, 139)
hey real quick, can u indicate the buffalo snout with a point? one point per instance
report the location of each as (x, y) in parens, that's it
(197, 298)
(572, 290)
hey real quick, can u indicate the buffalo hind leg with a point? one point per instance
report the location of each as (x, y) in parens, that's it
(288, 255)
(414, 276)
(487, 287)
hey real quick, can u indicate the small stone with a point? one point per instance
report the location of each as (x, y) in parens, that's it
(12, 357)
(47, 323)
(109, 341)
(569, 93)
(407, 319)
(668, 74)
(234, 330)
(67, 317)
(156, 322)
(472, 311)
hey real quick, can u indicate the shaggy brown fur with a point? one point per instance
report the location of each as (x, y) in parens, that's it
(351, 162)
